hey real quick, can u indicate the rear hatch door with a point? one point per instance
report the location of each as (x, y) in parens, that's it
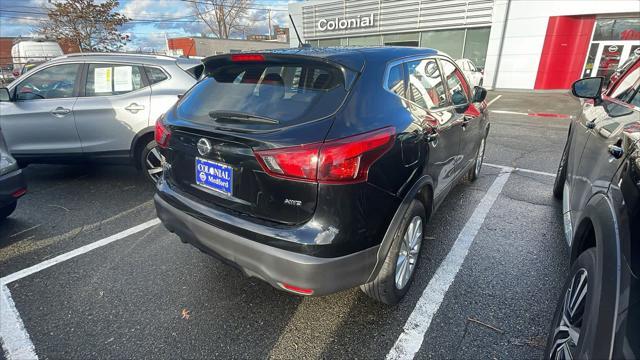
(248, 103)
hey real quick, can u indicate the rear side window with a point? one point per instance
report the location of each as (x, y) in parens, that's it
(112, 79)
(456, 83)
(425, 84)
(289, 93)
(155, 75)
(395, 81)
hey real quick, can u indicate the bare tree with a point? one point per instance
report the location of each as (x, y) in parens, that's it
(223, 17)
(92, 26)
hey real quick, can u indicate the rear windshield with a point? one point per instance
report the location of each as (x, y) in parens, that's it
(195, 71)
(290, 93)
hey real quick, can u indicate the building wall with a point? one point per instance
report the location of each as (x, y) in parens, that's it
(208, 47)
(526, 30)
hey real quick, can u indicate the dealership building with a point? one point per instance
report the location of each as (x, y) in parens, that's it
(520, 44)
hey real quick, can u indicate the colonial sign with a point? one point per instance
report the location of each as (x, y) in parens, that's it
(346, 23)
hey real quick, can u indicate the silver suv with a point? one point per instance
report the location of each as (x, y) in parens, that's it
(102, 107)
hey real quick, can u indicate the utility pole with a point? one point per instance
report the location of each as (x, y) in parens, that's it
(269, 15)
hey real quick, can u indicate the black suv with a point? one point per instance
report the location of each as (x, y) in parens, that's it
(598, 180)
(317, 169)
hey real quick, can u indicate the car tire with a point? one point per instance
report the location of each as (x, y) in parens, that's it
(561, 174)
(7, 210)
(151, 161)
(576, 312)
(474, 172)
(398, 270)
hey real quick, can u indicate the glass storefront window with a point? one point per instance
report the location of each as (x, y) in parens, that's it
(447, 41)
(408, 39)
(617, 29)
(591, 59)
(328, 42)
(364, 40)
(475, 46)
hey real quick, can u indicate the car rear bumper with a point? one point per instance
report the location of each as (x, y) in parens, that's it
(12, 186)
(273, 265)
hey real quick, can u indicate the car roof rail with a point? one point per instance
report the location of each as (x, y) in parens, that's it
(117, 54)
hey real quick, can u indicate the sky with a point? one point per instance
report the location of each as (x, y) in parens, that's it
(154, 19)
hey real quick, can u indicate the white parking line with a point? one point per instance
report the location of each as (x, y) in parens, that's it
(13, 336)
(494, 100)
(15, 339)
(515, 169)
(410, 341)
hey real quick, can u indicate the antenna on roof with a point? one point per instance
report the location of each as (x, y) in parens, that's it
(300, 44)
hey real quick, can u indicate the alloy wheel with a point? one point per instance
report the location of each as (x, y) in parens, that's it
(480, 156)
(153, 162)
(567, 333)
(409, 250)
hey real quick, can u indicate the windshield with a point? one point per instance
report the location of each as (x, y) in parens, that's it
(290, 93)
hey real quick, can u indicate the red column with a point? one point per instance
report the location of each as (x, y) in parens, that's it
(564, 52)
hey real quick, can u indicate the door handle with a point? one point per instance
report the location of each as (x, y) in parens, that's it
(134, 108)
(616, 151)
(60, 111)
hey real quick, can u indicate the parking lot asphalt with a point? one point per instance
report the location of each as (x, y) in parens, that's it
(147, 295)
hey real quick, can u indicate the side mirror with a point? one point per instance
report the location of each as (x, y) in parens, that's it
(588, 88)
(5, 96)
(479, 94)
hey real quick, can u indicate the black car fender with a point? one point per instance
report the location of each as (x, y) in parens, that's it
(424, 185)
(599, 215)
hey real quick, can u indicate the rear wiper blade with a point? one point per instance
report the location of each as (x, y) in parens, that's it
(225, 116)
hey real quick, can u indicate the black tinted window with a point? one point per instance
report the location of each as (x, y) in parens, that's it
(112, 79)
(50, 83)
(155, 75)
(289, 93)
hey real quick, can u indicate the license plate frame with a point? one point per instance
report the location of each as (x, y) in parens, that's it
(214, 175)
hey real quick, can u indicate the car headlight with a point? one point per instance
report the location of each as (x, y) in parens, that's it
(7, 163)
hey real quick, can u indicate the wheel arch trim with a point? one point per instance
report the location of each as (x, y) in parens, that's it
(424, 182)
(600, 212)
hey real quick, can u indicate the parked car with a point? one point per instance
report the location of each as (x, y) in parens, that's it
(471, 71)
(6, 75)
(29, 66)
(598, 180)
(33, 51)
(314, 173)
(12, 183)
(99, 107)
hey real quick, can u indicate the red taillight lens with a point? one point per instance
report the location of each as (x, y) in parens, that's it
(247, 57)
(299, 162)
(162, 134)
(344, 160)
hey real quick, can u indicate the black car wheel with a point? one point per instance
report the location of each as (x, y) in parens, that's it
(397, 272)
(572, 331)
(561, 174)
(474, 172)
(7, 210)
(151, 161)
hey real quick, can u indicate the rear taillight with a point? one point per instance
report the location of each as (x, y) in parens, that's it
(162, 134)
(344, 160)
